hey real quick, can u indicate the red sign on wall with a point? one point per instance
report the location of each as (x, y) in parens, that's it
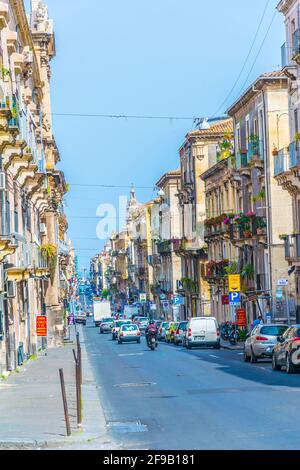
(225, 300)
(241, 317)
(41, 326)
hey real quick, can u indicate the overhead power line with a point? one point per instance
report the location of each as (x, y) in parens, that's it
(128, 116)
(109, 186)
(246, 60)
(259, 51)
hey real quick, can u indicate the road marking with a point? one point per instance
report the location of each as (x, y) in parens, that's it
(131, 354)
(240, 354)
(211, 355)
(142, 384)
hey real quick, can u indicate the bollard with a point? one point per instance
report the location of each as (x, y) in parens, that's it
(78, 390)
(64, 397)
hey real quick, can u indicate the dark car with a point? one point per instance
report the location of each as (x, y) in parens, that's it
(286, 353)
(180, 333)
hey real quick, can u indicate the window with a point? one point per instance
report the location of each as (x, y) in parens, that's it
(296, 121)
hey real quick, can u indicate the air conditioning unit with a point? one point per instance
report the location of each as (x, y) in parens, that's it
(2, 181)
(43, 229)
(11, 289)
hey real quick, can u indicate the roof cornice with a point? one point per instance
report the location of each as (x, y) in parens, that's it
(285, 5)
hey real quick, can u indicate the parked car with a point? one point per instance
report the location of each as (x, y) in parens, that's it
(80, 317)
(129, 332)
(170, 332)
(141, 322)
(261, 341)
(286, 352)
(202, 331)
(180, 332)
(106, 325)
(116, 327)
(162, 331)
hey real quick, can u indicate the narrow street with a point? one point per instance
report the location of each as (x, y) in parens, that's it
(201, 399)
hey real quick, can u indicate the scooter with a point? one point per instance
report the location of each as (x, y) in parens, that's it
(152, 341)
(234, 335)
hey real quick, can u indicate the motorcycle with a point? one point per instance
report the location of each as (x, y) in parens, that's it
(151, 340)
(234, 335)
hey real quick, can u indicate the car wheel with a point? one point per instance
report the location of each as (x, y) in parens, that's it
(188, 346)
(138, 341)
(119, 341)
(253, 358)
(246, 357)
(275, 366)
(290, 368)
(101, 332)
(217, 346)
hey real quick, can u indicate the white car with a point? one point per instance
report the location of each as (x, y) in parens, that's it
(202, 331)
(116, 327)
(129, 332)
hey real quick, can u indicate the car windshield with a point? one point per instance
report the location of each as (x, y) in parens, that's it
(107, 320)
(165, 324)
(129, 328)
(182, 326)
(143, 319)
(275, 330)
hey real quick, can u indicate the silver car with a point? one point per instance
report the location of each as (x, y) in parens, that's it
(106, 325)
(261, 341)
(162, 330)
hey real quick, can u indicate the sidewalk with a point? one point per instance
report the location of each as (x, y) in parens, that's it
(238, 347)
(31, 408)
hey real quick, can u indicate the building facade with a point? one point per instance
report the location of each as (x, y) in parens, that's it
(33, 222)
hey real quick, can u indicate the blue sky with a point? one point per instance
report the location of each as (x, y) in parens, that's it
(158, 57)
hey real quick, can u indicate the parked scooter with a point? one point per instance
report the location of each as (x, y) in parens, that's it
(234, 334)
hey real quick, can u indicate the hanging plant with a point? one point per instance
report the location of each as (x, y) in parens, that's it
(232, 268)
(49, 253)
(248, 271)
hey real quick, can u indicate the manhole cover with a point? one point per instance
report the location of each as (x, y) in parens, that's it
(142, 384)
(127, 427)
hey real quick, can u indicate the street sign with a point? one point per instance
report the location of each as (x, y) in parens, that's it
(177, 300)
(41, 326)
(162, 296)
(166, 306)
(279, 294)
(143, 298)
(235, 297)
(153, 307)
(225, 300)
(241, 317)
(234, 281)
(283, 282)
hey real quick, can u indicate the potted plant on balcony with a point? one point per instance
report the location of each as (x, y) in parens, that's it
(275, 151)
(283, 236)
(297, 137)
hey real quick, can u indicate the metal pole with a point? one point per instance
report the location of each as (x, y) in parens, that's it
(287, 306)
(78, 390)
(64, 397)
(79, 357)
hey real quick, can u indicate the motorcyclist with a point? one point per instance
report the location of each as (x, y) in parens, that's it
(151, 329)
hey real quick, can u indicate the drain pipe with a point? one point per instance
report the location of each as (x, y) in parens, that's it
(268, 196)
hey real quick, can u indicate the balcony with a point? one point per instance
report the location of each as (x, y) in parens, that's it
(281, 163)
(215, 270)
(242, 160)
(219, 230)
(294, 151)
(255, 152)
(164, 247)
(292, 247)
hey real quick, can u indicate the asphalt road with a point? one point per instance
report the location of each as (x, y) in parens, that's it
(176, 399)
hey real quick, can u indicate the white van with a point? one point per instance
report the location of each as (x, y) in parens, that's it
(202, 331)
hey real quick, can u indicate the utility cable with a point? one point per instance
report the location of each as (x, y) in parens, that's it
(246, 60)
